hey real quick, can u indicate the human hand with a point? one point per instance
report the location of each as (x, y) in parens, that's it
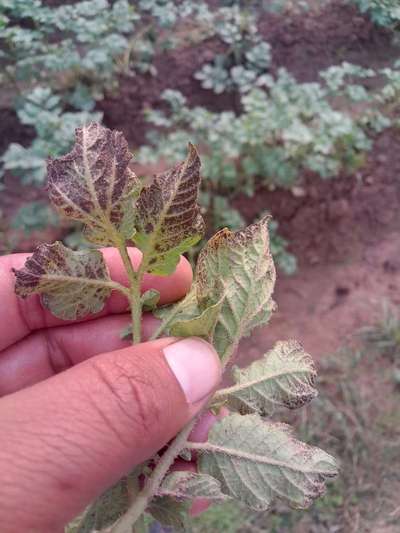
(79, 407)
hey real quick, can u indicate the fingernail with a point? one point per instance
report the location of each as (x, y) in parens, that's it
(196, 366)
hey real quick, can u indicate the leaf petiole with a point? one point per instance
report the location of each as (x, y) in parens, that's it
(135, 281)
(136, 309)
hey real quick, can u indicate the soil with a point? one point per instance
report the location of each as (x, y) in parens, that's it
(11, 130)
(306, 44)
(175, 70)
(344, 231)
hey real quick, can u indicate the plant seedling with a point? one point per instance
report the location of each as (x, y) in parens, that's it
(247, 457)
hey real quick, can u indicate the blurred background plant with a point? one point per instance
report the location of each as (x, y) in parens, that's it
(246, 55)
(284, 130)
(382, 12)
(56, 63)
(383, 338)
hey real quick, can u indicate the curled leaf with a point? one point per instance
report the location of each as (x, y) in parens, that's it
(185, 309)
(168, 219)
(284, 377)
(257, 461)
(93, 184)
(199, 326)
(71, 284)
(150, 299)
(243, 264)
(190, 485)
(188, 318)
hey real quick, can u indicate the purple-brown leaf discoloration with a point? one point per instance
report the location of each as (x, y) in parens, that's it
(168, 220)
(94, 184)
(71, 284)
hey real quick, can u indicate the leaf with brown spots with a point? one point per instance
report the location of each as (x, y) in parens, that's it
(257, 461)
(242, 264)
(71, 284)
(188, 318)
(93, 184)
(190, 485)
(168, 220)
(284, 377)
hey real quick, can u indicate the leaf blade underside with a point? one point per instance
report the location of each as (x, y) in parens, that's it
(168, 219)
(93, 184)
(257, 461)
(71, 284)
(190, 485)
(284, 377)
(242, 262)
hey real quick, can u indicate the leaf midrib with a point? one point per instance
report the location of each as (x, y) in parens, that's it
(255, 458)
(243, 323)
(76, 279)
(242, 386)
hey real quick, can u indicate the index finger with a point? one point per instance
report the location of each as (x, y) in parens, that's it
(20, 317)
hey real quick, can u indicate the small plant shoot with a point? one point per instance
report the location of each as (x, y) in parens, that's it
(248, 456)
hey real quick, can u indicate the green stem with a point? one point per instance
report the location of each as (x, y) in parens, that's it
(135, 281)
(136, 309)
(123, 252)
(126, 522)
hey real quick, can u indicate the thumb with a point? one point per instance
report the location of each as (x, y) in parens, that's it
(65, 440)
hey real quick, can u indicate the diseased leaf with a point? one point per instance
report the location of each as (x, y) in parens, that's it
(242, 262)
(202, 325)
(71, 284)
(187, 318)
(170, 512)
(168, 219)
(150, 299)
(285, 377)
(231, 294)
(94, 185)
(190, 485)
(185, 309)
(257, 461)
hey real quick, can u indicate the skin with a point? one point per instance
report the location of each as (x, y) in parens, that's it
(79, 407)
